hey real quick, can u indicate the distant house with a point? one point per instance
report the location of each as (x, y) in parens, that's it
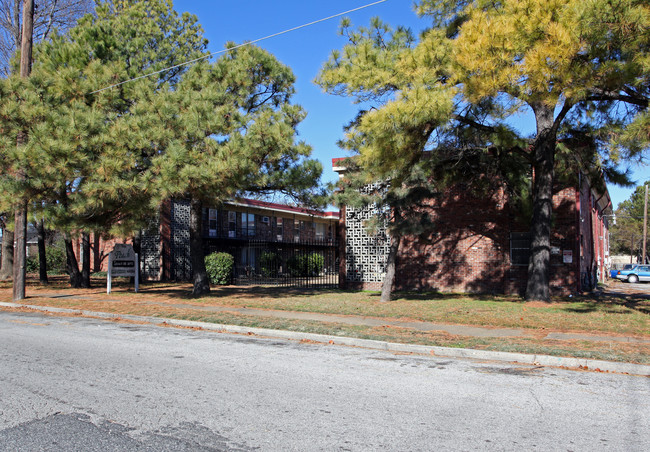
(254, 232)
(32, 240)
(480, 246)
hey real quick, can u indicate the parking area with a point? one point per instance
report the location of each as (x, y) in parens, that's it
(620, 288)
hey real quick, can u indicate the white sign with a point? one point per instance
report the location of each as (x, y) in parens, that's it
(122, 261)
(567, 256)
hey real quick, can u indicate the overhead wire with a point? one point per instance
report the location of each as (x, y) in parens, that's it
(186, 63)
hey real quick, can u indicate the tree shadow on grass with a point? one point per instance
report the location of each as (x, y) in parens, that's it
(184, 291)
(609, 302)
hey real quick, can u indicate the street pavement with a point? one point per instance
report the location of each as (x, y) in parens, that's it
(87, 384)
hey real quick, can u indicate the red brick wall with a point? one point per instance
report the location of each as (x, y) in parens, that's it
(100, 247)
(470, 250)
(565, 277)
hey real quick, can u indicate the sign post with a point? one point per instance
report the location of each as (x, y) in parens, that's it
(122, 261)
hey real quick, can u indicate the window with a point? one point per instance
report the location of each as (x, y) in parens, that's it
(296, 231)
(279, 228)
(232, 224)
(212, 222)
(519, 248)
(320, 231)
(248, 224)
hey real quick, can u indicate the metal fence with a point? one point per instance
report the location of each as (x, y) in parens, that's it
(308, 264)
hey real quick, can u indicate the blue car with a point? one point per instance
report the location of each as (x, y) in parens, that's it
(635, 274)
(614, 273)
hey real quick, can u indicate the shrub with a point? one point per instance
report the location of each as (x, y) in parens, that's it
(219, 267)
(295, 265)
(315, 263)
(270, 263)
(55, 260)
(305, 264)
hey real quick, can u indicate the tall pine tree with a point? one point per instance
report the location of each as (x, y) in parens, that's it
(574, 66)
(229, 128)
(85, 167)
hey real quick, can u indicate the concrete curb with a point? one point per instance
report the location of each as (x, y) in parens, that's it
(535, 360)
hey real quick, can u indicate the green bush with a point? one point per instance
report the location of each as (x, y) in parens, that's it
(305, 264)
(55, 260)
(270, 263)
(315, 263)
(219, 267)
(295, 265)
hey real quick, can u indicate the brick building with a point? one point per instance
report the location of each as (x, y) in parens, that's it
(480, 245)
(245, 228)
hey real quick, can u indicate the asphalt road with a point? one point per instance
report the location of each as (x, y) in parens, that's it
(82, 384)
(620, 288)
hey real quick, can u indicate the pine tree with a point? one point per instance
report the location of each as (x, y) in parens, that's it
(49, 15)
(574, 65)
(105, 160)
(85, 165)
(228, 129)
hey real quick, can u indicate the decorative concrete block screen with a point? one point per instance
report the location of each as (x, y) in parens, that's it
(366, 255)
(151, 250)
(180, 238)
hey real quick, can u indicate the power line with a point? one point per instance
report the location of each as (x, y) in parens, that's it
(238, 46)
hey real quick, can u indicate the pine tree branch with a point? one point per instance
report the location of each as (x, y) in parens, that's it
(474, 124)
(631, 97)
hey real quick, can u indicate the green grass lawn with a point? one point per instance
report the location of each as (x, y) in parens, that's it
(604, 314)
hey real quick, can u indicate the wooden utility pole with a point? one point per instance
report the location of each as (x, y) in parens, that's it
(645, 224)
(20, 232)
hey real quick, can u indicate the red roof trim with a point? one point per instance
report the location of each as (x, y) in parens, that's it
(272, 205)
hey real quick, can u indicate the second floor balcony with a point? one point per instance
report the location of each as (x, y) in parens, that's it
(308, 236)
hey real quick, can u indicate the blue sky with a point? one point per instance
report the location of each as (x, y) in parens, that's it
(306, 50)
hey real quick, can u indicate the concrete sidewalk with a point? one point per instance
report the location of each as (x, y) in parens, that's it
(459, 330)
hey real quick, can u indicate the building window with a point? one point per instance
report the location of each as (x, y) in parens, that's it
(248, 261)
(279, 228)
(232, 224)
(212, 222)
(519, 248)
(248, 224)
(320, 231)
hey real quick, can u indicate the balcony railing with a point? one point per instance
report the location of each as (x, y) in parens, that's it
(271, 236)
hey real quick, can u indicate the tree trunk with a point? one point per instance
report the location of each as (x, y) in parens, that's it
(85, 260)
(137, 249)
(200, 275)
(7, 269)
(537, 288)
(42, 253)
(391, 268)
(18, 29)
(20, 231)
(20, 252)
(71, 263)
